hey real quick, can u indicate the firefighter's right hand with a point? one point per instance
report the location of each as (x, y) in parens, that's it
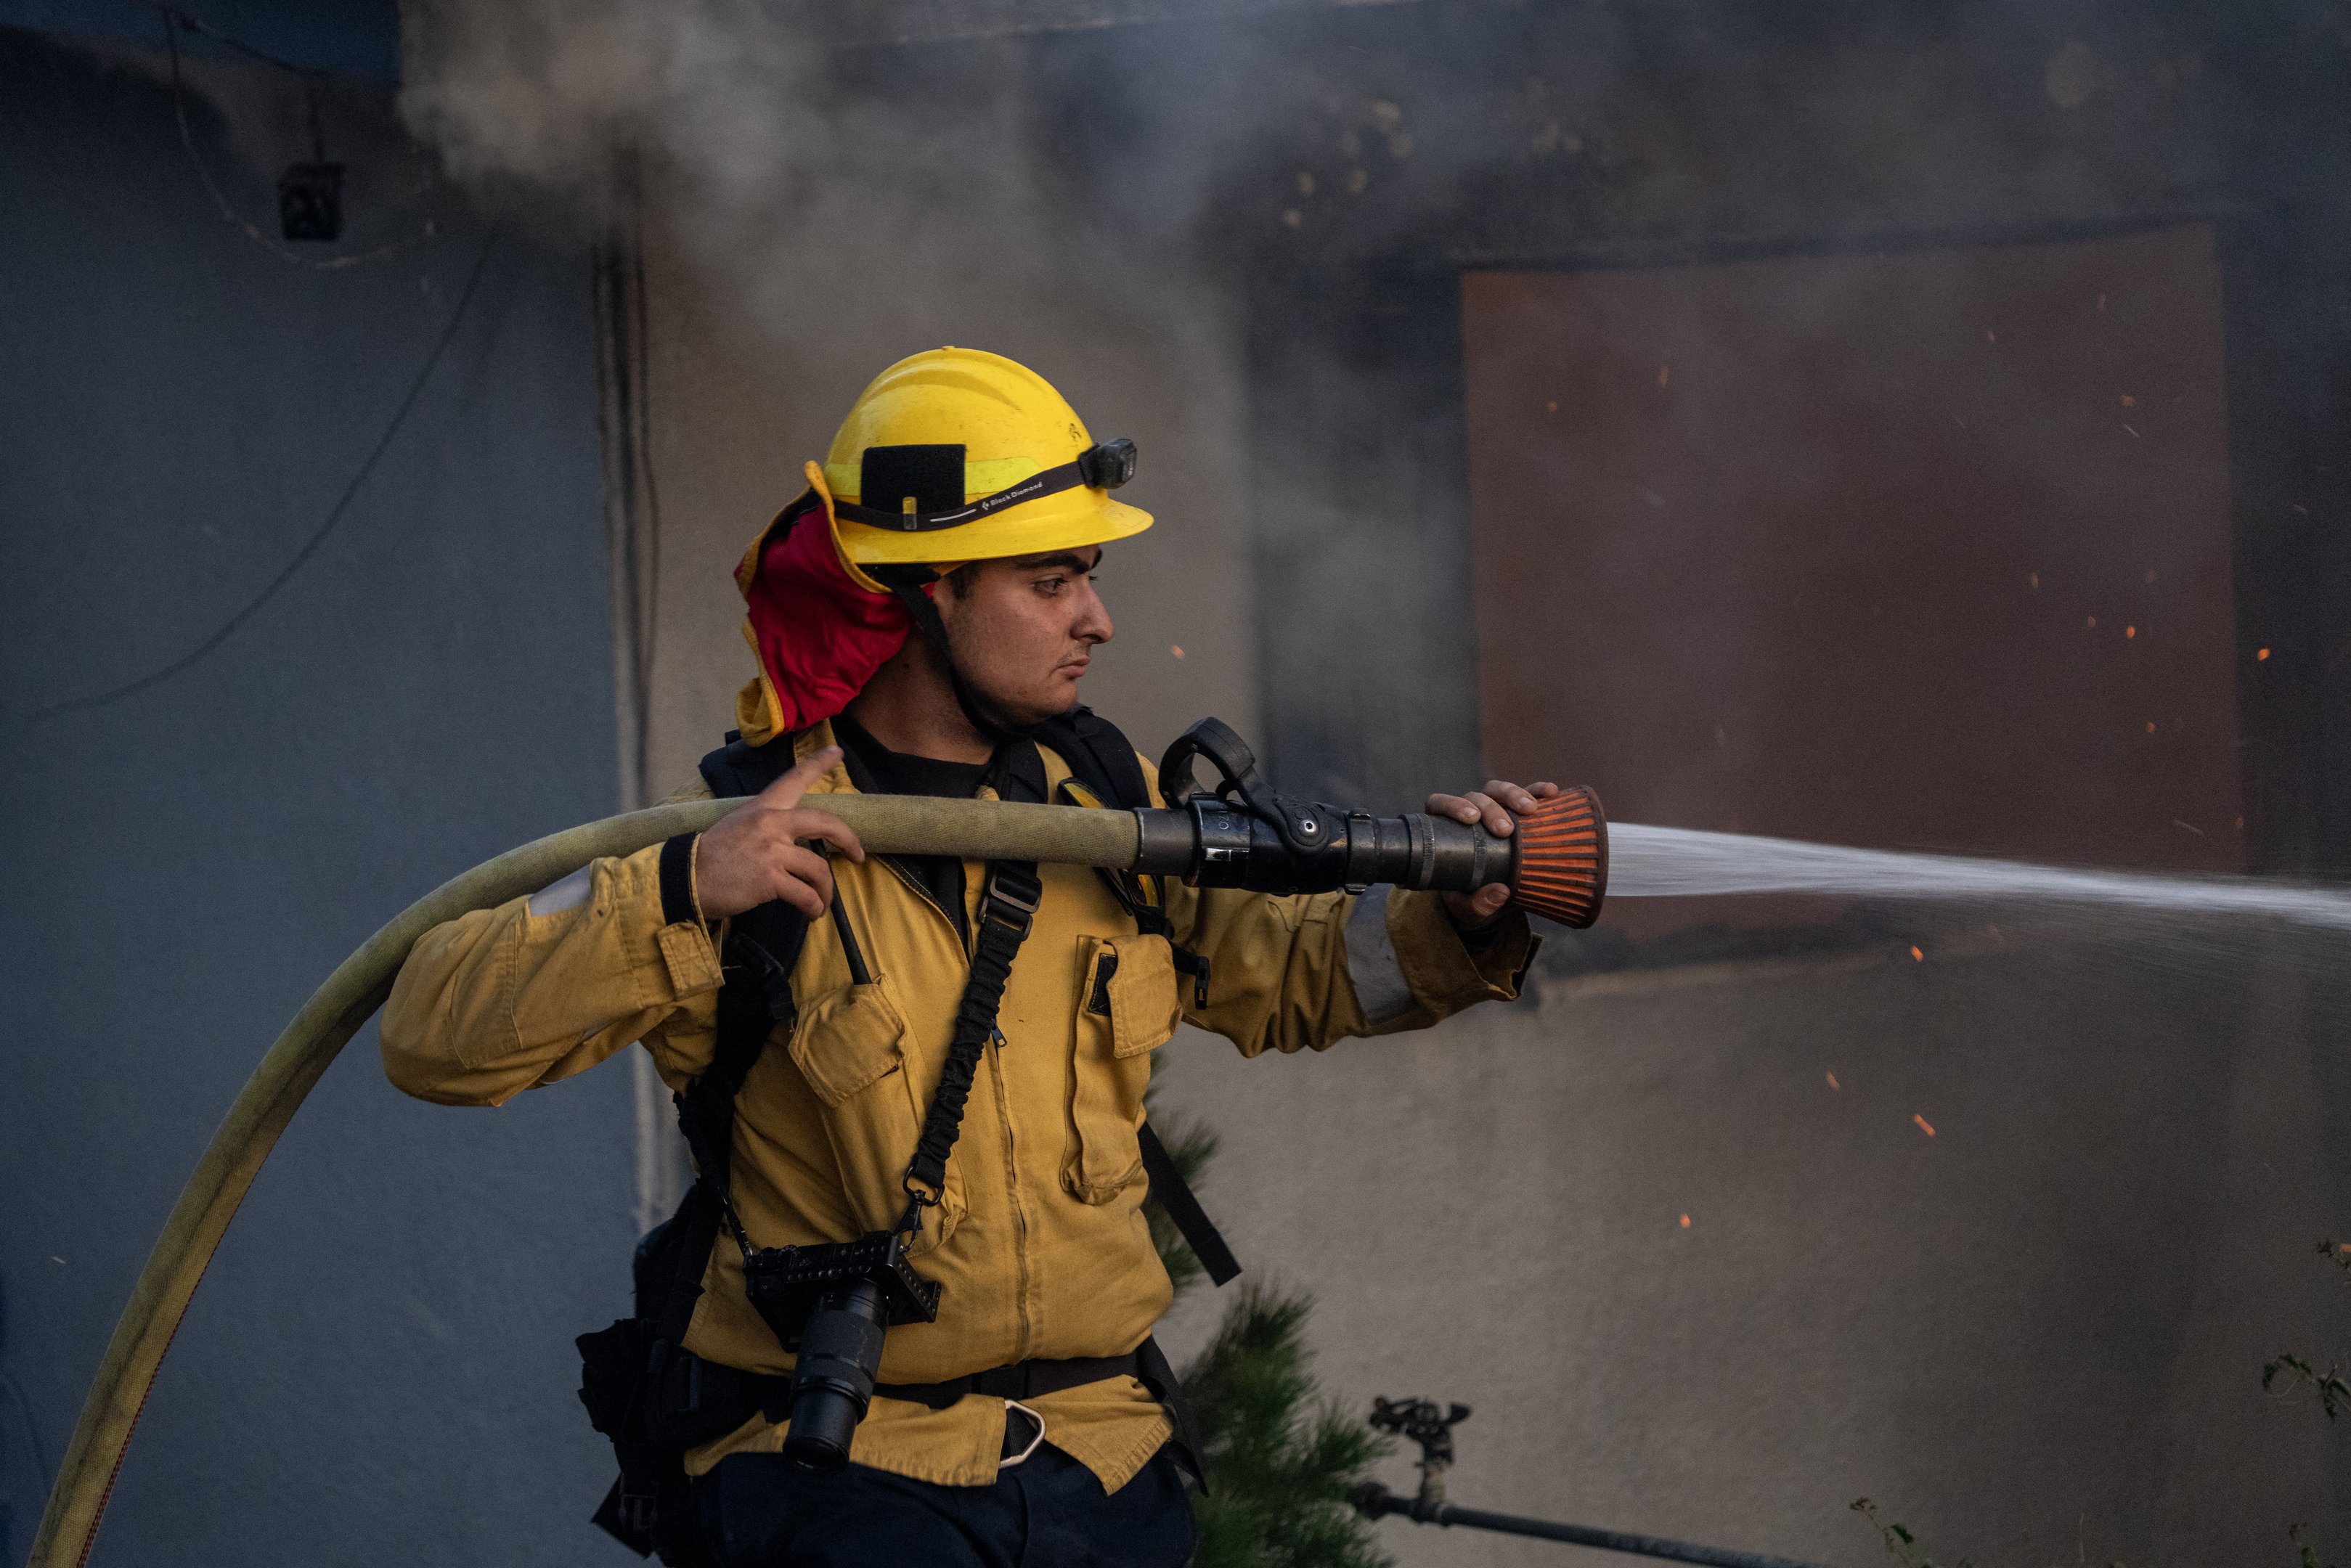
(758, 852)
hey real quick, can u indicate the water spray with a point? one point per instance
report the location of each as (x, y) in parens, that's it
(1683, 863)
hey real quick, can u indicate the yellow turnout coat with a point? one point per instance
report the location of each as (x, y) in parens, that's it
(1039, 1242)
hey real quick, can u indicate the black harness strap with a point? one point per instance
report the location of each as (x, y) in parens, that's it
(1020, 1380)
(1006, 910)
(642, 1389)
(731, 1390)
(766, 943)
(1100, 758)
(1192, 1222)
(762, 947)
(739, 767)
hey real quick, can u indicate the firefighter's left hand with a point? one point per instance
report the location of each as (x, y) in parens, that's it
(1494, 806)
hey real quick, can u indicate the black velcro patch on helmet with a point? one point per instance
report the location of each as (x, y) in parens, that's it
(931, 475)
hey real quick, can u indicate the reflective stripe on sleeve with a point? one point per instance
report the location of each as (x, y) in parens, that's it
(557, 897)
(1378, 978)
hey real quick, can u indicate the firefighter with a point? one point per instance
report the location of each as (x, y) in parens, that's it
(922, 617)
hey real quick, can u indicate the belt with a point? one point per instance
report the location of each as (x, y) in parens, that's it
(698, 1400)
(1146, 1363)
(1020, 1380)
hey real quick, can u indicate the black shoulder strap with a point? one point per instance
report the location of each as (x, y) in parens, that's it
(1183, 1206)
(763, 944)
(738, 768)
(1007, 909)
(1099, 756)
(1104, 761)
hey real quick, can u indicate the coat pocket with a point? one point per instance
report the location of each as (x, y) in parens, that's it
(850, 1047)
(1126, 1009)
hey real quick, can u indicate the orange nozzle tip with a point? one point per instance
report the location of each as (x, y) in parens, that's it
(1564, 859)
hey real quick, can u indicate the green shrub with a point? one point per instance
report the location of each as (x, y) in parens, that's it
(1280, 1458)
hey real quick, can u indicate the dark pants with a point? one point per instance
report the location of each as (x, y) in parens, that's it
(759, 1511)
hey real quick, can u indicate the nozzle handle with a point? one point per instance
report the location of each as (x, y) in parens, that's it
(1555, 862)
(1242, 832)
(1211, 842)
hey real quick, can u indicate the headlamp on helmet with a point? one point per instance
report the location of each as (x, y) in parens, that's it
(1108, 466)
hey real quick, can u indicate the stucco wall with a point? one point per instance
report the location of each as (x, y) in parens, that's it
(2039, 1330)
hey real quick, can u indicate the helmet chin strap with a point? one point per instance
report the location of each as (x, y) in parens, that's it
(906, 584)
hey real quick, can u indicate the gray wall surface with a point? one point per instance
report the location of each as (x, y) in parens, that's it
(2034, 1336)
(378, 1368)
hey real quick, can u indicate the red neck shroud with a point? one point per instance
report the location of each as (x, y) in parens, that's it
(819, 634)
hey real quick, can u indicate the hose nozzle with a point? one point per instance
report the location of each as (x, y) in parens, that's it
(1562, 870)
(1243, 833)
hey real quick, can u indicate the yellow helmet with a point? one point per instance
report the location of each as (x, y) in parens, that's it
(954, 454)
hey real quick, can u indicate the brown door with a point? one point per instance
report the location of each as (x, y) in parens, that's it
(1920, 549)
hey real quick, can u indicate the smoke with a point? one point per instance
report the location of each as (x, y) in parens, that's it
(738, 116)
(1243, 234)
(810, 212)
(897, 187)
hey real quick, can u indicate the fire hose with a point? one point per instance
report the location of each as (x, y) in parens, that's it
(1239, 833)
